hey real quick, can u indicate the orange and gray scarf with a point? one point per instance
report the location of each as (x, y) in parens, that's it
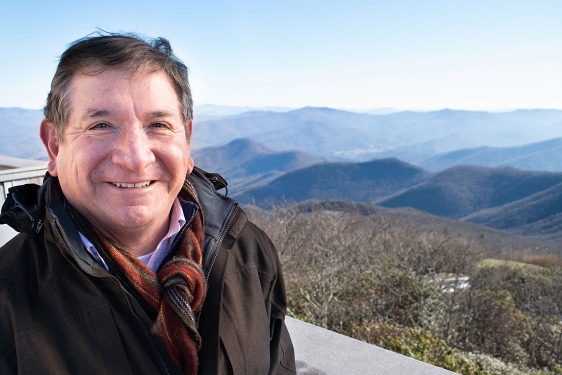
(176, 292)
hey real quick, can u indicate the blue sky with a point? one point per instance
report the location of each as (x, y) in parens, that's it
(424, 55)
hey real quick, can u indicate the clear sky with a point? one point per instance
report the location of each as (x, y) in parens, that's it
(342, 54)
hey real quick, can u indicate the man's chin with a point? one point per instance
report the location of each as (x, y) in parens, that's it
(131, 218)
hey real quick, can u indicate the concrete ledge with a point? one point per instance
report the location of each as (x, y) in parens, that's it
(320, 351)
(8, 162)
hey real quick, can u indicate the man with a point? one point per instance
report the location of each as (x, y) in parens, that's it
(129, 262)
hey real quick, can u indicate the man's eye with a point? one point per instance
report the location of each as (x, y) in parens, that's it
(101, 125)
(158, 125)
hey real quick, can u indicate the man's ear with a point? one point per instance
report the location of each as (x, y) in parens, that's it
(189, 129)
(49, 139)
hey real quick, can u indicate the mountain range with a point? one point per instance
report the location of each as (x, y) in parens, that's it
(336, 135)
(20, 133)
(246, 163)
(323, 153)
(363, 182)
(523, 202)
(540, 156)
(410, 136)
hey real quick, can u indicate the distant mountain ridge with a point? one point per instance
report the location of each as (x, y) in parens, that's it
(245, 163)
(319, 131)
(333, 135)
(540, 156)
(211, 111)
(20, 133)
(411, 136)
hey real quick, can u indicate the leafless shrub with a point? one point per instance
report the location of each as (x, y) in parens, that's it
(346, 271)
(543, 260)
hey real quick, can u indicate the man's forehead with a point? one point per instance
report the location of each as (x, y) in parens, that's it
(92, 94)
(126, 70)
(95, 76)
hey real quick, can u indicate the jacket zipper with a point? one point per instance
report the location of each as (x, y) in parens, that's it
(215, 253)
(24, 209)
(145, 329)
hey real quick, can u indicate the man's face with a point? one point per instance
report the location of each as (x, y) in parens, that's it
(125, 153)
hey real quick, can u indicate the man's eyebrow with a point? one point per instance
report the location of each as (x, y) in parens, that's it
(93, 113)
(160, 114)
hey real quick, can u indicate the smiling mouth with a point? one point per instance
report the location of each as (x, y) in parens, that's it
(128, 185)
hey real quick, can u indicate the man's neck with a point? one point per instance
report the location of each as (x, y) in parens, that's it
(138, 242)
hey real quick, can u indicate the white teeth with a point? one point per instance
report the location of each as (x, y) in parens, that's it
(127, 185)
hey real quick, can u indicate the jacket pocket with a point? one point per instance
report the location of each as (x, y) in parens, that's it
(86, 343)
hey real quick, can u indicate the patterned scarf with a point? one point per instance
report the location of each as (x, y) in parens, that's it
(176, 293)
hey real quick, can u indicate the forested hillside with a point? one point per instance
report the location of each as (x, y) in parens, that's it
(427, 293)
(460, 191)
(368, 181)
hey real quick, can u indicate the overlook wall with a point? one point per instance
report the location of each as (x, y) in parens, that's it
(319, 351)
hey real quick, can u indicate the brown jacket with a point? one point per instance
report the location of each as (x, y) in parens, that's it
(62, 313)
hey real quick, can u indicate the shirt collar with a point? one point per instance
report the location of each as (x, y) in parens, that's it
(177, 220)
(153, 259)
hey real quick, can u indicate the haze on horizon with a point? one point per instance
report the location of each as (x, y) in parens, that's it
(416, 55)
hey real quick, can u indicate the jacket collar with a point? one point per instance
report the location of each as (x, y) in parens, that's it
(217, 208)
(24, 208)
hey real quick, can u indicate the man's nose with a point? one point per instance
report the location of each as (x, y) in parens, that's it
(133, 149)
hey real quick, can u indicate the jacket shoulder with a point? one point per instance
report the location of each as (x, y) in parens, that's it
(249, 247)
(19, 254)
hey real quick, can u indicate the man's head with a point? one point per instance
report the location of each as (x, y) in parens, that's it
(124, 52)
(117, 130)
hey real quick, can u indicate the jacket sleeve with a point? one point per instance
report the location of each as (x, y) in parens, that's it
(281, 346)
(282, 356)
(253, 337)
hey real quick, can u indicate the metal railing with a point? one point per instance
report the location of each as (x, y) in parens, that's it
(19, 176)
